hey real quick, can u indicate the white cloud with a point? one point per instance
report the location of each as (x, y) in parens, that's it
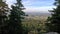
(39, 9)
(27, 4)
(37, 2)
(37, 5)
(10, 2)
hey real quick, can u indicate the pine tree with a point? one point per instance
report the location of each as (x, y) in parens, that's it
(54, 20)
(15, 21)
(3, 17)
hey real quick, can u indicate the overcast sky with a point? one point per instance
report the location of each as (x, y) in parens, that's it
(35, 5)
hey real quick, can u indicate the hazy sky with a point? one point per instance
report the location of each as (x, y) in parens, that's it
(35, 5)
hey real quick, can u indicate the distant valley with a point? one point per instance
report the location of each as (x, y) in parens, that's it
(38, 14)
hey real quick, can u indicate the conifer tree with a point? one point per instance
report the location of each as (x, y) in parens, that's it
(15, 20)
(3, 17)
(54, 20)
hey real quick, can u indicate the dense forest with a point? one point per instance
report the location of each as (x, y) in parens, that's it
(15, 21)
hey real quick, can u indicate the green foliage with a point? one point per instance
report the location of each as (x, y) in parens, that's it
(15, 22)
(54, 20)
(36, 24)
(3, 17)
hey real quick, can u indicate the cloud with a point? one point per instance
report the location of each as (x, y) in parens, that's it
(38, 5)
(37, 2)
(35, 5)
(39, 9)
(10, 2)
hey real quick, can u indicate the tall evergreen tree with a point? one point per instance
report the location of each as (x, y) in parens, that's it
(15, 21)
(3, 17)
(54, 20)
